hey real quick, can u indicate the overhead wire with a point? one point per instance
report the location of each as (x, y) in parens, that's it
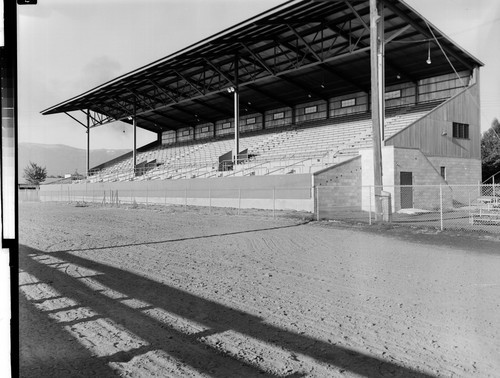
(456, 73)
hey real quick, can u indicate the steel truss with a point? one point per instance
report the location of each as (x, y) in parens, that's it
(310, 35)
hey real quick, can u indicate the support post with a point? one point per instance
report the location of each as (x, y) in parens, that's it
(370, 202)
(239, 200)
(236, 112)
(134, 152)
(87, 165)
(441, 206)
(317, 203)
(274, 202)
(377, 94)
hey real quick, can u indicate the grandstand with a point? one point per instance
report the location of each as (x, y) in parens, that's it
(287, 93)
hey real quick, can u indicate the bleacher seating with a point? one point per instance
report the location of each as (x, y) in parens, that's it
(302, 148)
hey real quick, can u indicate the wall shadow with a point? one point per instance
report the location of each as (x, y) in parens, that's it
(183, 239)
(217, 317)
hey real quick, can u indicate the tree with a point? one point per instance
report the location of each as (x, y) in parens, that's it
(490, 151)
(35, 174)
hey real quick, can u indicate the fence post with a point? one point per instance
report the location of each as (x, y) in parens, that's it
(441, 205)
(370, 205)
(274, 202)
(317, 203)
(469, 208)
(239, 200)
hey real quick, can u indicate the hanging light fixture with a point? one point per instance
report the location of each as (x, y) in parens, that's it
(428, 61)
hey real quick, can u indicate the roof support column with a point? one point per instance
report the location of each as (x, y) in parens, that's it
(134, 151)
(377, 91)
(236, 89)
(87, 164)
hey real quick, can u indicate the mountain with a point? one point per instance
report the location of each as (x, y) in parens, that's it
(60, 159)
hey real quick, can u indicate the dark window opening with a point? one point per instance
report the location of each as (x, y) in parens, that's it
(460, 130)
(443, 173)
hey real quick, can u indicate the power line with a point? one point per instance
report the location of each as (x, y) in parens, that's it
(456, 73)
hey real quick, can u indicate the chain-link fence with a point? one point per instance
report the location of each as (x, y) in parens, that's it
(267, 201)
(468, 207)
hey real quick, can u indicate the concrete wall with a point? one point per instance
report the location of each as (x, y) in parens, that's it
(458, 171)
(339, 186)
(426, 176)
(281, 192)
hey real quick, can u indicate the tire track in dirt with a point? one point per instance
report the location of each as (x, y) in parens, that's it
(414, 306)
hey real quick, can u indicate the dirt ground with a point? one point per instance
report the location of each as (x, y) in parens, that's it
(137, 292)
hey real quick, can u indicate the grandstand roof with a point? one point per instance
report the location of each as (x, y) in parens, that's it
(300, 51)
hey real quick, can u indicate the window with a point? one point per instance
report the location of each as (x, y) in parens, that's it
(185, 133)
(204, 129)
(251, 121)
(460, 130)
(443, 172)
(226, 125)
(279, 115)
(348, 102)
(310, 109)
(393, 94)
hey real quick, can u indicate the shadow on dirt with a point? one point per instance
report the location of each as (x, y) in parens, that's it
(215, 317)
(184, 239)
(52, 352)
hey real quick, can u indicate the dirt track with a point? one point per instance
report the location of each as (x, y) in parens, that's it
(141, 292)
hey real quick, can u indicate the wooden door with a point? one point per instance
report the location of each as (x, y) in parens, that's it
(406, 182)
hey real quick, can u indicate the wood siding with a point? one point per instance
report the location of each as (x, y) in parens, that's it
(433, 134)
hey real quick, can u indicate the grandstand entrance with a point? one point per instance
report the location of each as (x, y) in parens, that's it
(406, 182)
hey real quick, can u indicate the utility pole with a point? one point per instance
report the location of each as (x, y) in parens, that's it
(377, 90)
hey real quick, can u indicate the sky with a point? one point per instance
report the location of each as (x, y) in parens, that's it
(68, 47)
